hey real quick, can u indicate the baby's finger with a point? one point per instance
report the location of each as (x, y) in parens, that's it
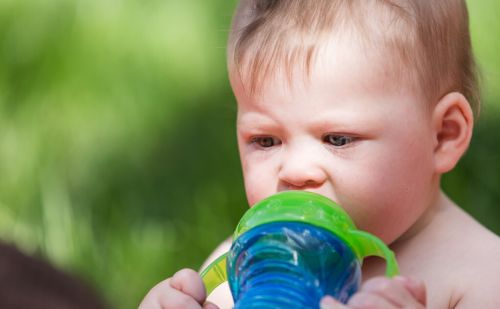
(329, 302)
(363, 300)
(164, 296)
(189, 282)
(175, 299)
(209, 305)
(392, 290)
(416, 288)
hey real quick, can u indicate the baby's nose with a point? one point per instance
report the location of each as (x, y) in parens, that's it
(301, 170)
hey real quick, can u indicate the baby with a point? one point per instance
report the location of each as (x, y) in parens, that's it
(367, 102)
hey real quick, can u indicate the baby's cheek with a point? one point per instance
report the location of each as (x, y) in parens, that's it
(256, 189)
(375, 203)
(393, 212)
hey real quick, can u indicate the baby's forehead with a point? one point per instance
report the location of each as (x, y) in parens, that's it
(339, 64)
(342, 60)
(346, 80)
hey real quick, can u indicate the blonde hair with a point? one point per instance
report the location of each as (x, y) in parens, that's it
(428, 40)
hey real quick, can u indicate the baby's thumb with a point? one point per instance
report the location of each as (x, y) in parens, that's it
(329, 302)
(189, 282)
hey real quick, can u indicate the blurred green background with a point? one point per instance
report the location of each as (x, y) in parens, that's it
(118, 158)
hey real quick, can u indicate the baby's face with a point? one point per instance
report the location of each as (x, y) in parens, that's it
(351, 134)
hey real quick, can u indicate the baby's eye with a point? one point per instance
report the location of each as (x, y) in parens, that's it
(265, 141)
(338, 140)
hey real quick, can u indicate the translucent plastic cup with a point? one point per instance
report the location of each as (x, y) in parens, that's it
(293, 248)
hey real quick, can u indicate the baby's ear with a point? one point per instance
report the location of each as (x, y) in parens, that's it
(453, 122)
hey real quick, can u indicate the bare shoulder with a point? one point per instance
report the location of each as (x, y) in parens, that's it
(481, 275)
(477, 256)
(457, 258)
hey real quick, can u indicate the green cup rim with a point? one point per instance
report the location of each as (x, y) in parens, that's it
(301, 206)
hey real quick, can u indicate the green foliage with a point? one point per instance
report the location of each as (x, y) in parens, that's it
(118, 158)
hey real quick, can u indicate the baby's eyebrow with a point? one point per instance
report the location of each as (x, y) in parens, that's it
(250, 119)
(344, 119)
(332, 123)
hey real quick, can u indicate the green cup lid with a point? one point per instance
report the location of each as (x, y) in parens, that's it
(297, 206)
(310, 208)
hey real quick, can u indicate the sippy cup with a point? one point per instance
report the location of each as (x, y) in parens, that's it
(291, 249)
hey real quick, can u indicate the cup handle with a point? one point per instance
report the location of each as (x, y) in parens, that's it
(370, 245)
(215, 274)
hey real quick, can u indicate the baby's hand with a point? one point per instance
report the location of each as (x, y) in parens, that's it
(382, 292)
(184, 290)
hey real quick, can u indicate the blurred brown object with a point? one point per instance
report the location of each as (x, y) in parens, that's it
(29, 282)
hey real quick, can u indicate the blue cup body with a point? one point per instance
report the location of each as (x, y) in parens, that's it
(290, 265)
